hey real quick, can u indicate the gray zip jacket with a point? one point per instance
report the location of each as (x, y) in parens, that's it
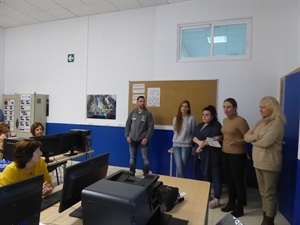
(139, 125)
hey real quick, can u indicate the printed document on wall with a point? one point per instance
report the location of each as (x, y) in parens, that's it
(153, 98)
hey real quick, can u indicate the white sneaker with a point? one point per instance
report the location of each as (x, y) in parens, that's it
(214, 203)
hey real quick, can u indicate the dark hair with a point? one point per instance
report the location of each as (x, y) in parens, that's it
(178, 123)
(141, 96)
(24, 150)
(232, 101)
(4, 128)
(34, 126)
(213, 113)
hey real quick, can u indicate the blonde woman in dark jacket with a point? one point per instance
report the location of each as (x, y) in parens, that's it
(266, 138)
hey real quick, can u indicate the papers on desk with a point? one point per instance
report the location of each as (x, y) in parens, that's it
(213, 143)
(182, 194)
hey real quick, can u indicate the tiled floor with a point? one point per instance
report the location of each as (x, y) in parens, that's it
(253, 212)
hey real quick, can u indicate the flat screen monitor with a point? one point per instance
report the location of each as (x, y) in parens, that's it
(50, 145)
(70, 142)
(79, 176)
(9, 148)
(20, 203)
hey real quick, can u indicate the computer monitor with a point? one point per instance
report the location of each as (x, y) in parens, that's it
(79, 176)
(70, 142)
(20, 203)
(9, 148)
(50, 145)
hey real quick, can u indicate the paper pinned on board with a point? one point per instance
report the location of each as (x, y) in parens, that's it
(211, 142)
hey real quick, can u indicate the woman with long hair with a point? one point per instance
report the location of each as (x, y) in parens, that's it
(184, 125)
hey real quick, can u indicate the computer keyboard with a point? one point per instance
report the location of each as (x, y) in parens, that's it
(50, 199)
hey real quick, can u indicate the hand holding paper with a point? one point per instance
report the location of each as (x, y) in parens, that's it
(213, 143)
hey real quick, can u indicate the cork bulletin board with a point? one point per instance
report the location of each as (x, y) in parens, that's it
(164, 97)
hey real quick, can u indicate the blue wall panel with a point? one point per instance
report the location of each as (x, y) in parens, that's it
(297, 198)
(112, 139)
(289, 175)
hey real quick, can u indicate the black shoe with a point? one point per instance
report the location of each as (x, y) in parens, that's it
(229, 207)
(237, 212)
(133, 172)
(268, 221)
(145, 173)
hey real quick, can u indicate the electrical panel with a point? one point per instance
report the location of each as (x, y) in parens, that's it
(22, 110)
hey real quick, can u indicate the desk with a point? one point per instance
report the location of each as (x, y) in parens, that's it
(59, 160)
(193, 208)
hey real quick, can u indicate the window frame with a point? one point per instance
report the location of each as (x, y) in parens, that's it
(212, 25)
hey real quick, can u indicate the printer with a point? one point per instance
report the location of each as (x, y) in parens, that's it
(120, 199)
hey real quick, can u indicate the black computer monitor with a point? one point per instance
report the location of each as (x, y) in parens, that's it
(9, 148)
(79, 176)
(70, 142)
(20, 203)
(50, 145)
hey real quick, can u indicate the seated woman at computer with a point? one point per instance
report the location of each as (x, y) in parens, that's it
(27, 163)
(4, 133)
(37, 129)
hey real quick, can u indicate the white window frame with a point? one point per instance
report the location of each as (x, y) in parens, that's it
(247, 55)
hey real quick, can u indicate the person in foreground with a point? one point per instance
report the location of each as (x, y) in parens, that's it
(207, 156)
(234, 158)
(27, 163)
(138, 131)
(37, 129)
(266, 138)
(184, 125)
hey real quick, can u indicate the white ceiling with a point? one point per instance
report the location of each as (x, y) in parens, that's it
(15, 13)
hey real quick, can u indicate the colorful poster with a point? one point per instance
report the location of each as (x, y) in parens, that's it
(101, 106)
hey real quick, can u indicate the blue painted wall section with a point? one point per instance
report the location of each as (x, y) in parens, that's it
(112, 139)
(289, 199)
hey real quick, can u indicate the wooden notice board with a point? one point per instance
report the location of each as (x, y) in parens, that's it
(165, 97)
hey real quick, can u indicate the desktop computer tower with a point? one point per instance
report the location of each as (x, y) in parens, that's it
(86, 139)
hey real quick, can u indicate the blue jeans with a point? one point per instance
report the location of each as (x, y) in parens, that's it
(181, 156)
(133, 147)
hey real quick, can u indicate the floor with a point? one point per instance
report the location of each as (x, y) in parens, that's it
(253, 213)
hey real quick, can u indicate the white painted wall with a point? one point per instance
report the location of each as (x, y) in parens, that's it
(111, 49)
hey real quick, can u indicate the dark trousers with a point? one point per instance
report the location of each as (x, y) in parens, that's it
(213, 175)
(234, 167)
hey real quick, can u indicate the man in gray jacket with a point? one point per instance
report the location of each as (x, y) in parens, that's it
(138, 131)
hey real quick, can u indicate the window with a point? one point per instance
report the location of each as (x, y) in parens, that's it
(215, 40)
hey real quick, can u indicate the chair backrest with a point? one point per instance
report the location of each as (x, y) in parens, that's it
(230, 220)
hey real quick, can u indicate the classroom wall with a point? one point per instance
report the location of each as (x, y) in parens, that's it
(112, 49)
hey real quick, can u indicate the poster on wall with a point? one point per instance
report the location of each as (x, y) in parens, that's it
(101, 106)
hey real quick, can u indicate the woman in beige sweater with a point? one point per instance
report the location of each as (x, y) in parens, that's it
(266, 138)
(234, 158)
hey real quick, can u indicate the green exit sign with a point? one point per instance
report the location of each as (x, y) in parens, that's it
(71, 58)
